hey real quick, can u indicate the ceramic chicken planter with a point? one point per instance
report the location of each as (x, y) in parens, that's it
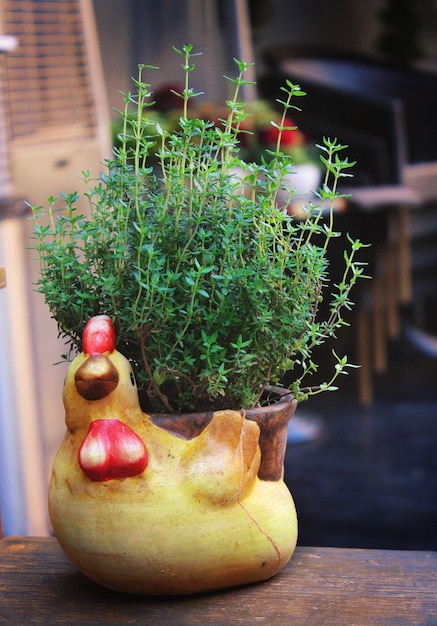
(143, 505)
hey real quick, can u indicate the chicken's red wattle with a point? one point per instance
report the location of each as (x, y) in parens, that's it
(112, 450)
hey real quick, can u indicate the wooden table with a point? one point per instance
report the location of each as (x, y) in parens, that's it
(337, 586)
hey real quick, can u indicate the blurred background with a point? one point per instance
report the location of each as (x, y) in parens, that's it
(361, 463)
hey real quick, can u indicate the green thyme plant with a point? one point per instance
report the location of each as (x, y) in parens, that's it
(215, 293)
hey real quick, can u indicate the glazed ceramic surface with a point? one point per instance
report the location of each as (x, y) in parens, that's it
(140, 509)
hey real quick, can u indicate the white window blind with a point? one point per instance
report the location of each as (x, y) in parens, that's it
(48, 80)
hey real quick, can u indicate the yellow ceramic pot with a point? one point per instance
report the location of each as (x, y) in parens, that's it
(162, 504)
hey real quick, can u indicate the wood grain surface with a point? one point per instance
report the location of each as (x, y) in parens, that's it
(337, 586)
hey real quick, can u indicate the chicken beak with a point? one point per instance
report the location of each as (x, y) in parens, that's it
(96, 378)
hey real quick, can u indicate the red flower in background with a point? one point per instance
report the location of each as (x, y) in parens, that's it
(291, 136)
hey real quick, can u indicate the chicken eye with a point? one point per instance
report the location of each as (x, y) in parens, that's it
(132, 379)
